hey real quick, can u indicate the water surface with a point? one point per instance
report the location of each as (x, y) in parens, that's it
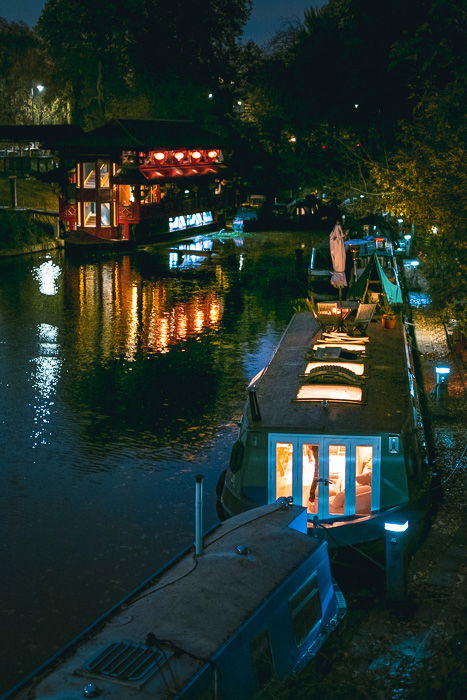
(122, 376)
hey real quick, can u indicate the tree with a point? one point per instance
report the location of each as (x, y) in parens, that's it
(21, 62)
(163, 56)
(425, 182)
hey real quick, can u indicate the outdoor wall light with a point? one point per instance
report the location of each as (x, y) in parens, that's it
(393, 444)
(397, 527)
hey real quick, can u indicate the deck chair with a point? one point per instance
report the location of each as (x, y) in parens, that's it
(365, 313)
(326, 307)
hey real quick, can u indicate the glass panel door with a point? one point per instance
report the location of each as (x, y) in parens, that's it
(337, 454)
(363, 478)
(310, 473)
(328, 475)
(284, 469)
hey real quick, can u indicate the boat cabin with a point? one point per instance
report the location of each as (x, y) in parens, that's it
(256, 604)
(334, 422)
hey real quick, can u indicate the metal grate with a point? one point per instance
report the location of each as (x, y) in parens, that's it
(126, 661)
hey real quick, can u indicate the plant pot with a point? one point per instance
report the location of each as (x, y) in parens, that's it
(388, 321)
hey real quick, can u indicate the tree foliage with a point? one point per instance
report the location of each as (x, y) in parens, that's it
(141, 57)
(20, 70)
(425, 182)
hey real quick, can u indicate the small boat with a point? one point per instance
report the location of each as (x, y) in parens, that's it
(333, 421)
(255, 601)
(371, 269)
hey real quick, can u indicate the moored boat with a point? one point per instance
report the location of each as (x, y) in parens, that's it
(334, 421)
(371, 270)
(254, 602)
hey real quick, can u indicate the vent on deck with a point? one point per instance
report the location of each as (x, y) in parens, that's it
(125, 661)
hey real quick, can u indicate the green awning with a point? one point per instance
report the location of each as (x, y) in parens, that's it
(372, 272)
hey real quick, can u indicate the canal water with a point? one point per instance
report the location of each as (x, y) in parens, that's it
(122, 377)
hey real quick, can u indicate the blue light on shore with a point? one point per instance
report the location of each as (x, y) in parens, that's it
(397, 527)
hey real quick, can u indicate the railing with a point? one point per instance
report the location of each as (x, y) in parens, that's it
(26, 164)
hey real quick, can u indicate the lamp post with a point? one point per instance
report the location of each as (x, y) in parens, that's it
(396, 560)
(39, 88)
(441, 388)
(407, 238)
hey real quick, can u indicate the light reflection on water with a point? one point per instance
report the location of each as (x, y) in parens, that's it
(122, 377)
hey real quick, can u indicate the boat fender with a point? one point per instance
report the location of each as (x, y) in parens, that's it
(236, 456)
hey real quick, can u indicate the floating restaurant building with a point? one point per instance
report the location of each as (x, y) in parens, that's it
(133, 179)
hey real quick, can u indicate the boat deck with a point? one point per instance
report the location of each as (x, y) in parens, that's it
(385, 395)
(195, 606)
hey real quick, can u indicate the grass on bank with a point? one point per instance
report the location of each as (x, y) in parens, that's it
(19, 230)
(31, 193)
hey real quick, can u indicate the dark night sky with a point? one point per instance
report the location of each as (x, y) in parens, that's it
(267, 17)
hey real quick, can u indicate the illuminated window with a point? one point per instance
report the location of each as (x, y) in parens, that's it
(337, 454)
(310, 472)
(284, 463)
(125, 195)
(88, 175)
(329, 392)
(363, 478)
(89, 214)
(105, 213)
(104, 173)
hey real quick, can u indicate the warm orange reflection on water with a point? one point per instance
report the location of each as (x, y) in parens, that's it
(121, 314)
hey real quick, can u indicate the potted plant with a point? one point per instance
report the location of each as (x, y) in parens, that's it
(388, 314)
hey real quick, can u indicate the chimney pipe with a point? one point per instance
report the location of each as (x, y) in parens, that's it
(199, 514)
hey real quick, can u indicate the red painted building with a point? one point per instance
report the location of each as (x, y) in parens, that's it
(132, 179)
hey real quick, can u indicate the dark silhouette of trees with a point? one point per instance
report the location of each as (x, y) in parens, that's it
(142, 58)
(21, 67)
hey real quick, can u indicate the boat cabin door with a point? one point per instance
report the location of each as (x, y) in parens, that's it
(327, 475)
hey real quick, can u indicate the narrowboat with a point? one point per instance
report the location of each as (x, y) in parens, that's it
(334, 421)
(254, 601)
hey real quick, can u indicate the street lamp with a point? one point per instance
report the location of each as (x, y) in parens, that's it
(39, 88)
(441, 388)
(396, 559)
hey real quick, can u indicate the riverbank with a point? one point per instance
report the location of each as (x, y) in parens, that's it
(36, 248)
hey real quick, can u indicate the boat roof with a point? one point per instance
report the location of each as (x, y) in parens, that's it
(385, 388)
(197, 604)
